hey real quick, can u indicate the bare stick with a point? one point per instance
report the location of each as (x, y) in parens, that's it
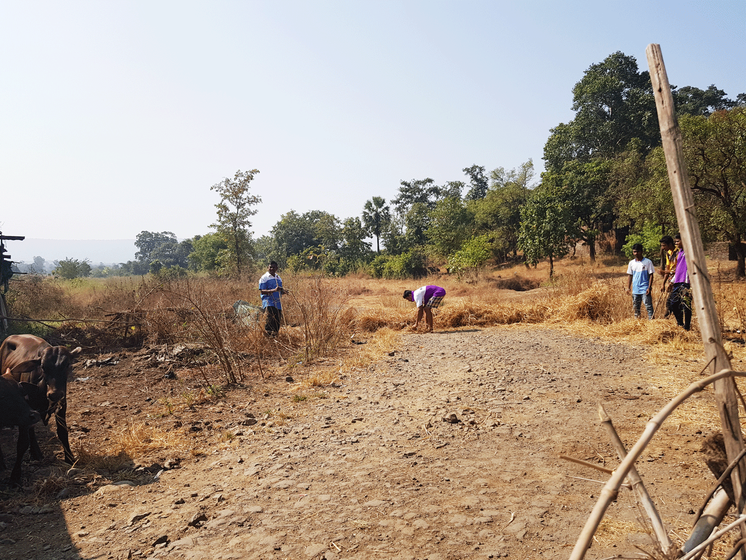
(634, 479)
(610, 490)
(586, 464)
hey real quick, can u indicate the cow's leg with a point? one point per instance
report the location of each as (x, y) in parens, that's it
(23, 445)
(36, 454)
(61, 418)
(2, 461)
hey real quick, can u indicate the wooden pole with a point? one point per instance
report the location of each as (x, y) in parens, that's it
(704, 300)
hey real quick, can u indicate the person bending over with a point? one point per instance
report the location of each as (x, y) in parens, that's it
(426, 298)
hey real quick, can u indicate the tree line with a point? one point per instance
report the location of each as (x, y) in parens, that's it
(605, 185)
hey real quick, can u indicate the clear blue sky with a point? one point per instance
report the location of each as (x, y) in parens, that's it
(117, 116)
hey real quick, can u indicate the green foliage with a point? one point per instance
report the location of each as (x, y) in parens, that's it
(499, 212)
(478, 182)
(410, 264)
(314, 232)
(544, 227)
(354, 247)
(697, 102)
(207, 252)
(641, 190)
(72, 268)
(416, 191)
(158, 250)
(649, 238)
(583, 188)
(235, 208)
(472, 256)
(148, 241)
(376, 217)
(451, 222)
(715, 153)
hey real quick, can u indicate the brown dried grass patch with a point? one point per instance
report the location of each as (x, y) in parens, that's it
(130, 442)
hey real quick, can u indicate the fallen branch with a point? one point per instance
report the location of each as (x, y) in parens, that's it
(586, 464)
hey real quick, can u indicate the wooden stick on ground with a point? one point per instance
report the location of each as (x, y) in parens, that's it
(634, 479)
(586, 464)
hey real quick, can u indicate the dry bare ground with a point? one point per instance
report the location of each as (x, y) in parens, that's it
(447, 448)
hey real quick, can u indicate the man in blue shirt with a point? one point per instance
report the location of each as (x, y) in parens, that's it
(270, 287)
(640, 281)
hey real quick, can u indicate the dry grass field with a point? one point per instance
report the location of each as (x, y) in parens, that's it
(176, 373)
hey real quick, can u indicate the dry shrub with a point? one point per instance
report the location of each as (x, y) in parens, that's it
(600, 303)
(325, 319)
(466, 313)
(132, 442)
(198, 310)
(51, 485)
(37, 297)
(372, 322)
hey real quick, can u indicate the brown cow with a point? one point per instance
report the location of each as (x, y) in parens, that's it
(15, 411)
(42, 370)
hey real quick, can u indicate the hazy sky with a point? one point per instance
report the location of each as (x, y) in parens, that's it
(117, 116)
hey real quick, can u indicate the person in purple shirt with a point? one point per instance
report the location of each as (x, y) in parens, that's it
(426, 299)
(680, 300)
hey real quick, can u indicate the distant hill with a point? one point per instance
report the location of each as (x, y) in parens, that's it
(95, 251)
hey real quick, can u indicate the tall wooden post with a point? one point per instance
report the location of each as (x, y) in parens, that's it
(703, 298)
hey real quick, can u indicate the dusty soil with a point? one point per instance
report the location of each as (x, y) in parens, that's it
(449, 448)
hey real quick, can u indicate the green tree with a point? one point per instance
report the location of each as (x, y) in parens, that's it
(173, 254)
(584, 188)
(354, 247)
(376, 217)
(313, 233)
(417, 222)
(451, 223)
(641, 191)
(544, 227)
(478, 181)
(235, 208)
(416, 191)
(697, 102)
(208, 253)
(452, 189)
(613, 105)
(471, 258)
(39, 265)
(715, 154)
(499, 212)
(72, 268)
(149, 241)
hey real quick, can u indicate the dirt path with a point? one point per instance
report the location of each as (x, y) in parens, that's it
(373, 470)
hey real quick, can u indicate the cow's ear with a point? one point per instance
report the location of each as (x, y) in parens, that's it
(27, 366)
(78, 350)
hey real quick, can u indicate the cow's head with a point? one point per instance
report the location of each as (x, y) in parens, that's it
(57, 365)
